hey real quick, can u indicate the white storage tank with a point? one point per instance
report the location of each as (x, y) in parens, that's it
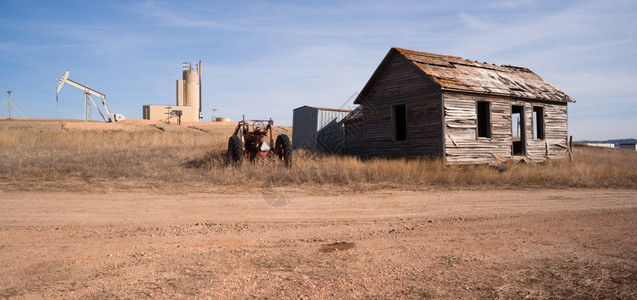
(189, 91)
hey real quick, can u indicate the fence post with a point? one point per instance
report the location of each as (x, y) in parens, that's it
(570, 148)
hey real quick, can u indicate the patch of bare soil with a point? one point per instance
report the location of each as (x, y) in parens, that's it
(388, 244)
(338, 246)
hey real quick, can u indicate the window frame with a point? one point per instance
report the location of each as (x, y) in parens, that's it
(539, 123)
(395, 126)
(483, 120)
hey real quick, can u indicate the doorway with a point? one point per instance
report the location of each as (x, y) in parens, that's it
(517, 130)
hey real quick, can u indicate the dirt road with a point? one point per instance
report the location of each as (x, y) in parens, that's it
(449, 244)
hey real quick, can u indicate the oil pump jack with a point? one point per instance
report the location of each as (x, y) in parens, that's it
(87, 97)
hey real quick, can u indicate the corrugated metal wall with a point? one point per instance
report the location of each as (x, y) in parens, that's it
(330, 134)
(316, 128)
(304, 127)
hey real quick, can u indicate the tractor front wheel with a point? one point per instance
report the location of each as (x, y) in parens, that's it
(284, 149)
(235, 150)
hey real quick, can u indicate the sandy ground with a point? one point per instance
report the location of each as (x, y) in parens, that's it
(290, 244)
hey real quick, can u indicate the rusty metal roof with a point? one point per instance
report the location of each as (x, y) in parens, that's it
(324, 108)
(457, 74)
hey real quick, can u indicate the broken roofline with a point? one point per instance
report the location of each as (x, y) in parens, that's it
(505, 80)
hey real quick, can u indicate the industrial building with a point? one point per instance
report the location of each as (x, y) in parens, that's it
(600, 145)
(187, 106)
(318, 128)
(463, 111)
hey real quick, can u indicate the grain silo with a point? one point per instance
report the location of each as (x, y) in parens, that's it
(189, 90)
(188, 99)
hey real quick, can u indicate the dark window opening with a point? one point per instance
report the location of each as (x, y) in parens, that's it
(538, 122)
(484, 119)
(399, 116)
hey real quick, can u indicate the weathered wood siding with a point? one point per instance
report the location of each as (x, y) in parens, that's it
(354, 137)
(555, 143)
(400, 83)
(462, 144)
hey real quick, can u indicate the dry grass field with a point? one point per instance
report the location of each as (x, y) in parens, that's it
(73, 156)
(138, 210)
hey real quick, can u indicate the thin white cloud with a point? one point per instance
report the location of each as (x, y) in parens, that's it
(322, 76)
(174, 16)
(584, 23)
(512, 4)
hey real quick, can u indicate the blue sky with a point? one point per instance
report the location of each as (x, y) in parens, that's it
(265, 58)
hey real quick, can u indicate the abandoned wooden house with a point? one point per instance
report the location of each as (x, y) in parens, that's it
(424, 104)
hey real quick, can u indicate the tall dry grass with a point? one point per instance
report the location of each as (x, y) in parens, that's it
(45, 156)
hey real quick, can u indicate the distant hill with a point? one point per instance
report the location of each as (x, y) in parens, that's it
(616, 142)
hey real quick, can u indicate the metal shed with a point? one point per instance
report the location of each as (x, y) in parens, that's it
(318, 128)
(631, 146)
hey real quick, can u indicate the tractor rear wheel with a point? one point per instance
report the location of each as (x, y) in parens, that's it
(235, 150)
(284, 149)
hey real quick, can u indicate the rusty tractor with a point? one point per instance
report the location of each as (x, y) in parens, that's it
(253, 139)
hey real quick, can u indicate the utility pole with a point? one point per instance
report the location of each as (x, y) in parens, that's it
(9, 92)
